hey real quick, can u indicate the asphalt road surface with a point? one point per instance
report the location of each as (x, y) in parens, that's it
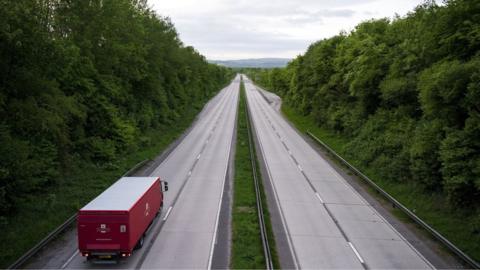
(185, 234)
(327, 223)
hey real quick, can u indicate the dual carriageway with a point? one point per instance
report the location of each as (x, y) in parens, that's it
(319, 220)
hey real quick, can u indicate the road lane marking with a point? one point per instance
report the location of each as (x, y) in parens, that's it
(318, 196)
(217, 220)
(168, 213)
(356, 253)
(198, 157)
(220, 107)
(275, 193)
(70, 259)
(321, 200)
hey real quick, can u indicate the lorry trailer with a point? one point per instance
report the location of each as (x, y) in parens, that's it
(113, 224)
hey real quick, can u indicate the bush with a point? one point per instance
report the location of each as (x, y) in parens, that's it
(461, 163)
(425, 161)
(73, 89)
(405, 92)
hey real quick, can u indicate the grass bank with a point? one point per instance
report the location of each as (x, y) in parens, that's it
(431, 207)
(38, 215)
(247, 249)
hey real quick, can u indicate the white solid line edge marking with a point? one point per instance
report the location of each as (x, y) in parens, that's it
(214, 238)
(168, 213)
(270, 178)
(318, 196)
(405, 241)
(356, 253)
(69, 260)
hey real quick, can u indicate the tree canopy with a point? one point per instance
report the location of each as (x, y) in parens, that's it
(82, 80)
(406, 92)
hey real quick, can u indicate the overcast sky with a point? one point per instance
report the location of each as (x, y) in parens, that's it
(236, 29)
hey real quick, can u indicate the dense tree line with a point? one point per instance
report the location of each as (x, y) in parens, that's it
(81, 80)
(406, 92)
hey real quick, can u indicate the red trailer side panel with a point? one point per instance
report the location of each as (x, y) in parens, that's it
(143, 213)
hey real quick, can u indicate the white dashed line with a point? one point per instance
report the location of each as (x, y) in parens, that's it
(69, 260)
(356, 253)
(168, 213)
(300, 167)
(318, 196)
(198, 157)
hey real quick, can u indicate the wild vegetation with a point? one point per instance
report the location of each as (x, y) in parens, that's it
(403, 98)
(84, 87)
(247, 248)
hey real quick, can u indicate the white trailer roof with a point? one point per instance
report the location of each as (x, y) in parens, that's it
(122, 195)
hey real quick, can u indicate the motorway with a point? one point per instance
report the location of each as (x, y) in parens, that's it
(185, 234)
(327, 224)
(199, 166)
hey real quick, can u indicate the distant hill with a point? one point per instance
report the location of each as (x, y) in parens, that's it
(254, 63)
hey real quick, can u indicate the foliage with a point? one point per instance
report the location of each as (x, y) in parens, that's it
(39, 213)
(247, 248)
(80, 81)
(405, 92)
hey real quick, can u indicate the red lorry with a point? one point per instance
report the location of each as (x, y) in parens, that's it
(114, 223)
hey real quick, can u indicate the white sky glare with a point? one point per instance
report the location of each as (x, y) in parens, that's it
(237, 29)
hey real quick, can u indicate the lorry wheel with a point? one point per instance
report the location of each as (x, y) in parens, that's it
(140, 242)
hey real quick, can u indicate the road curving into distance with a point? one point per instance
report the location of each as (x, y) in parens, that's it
(185, 234)
(327, 224)
(199, 166)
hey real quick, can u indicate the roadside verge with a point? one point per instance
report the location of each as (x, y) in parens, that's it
(253, 244)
